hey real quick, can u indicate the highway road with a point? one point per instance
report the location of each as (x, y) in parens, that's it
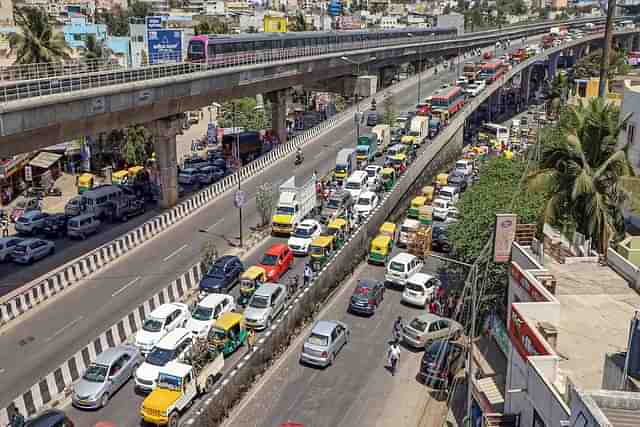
(46, 337)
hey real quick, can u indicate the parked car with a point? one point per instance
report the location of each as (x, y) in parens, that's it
(105, 376)
(276, 261)
(366, 297)
(429, 327)
(372, 118)
(420, 289)
(22, 206)
(207, 311)
(326, 339)
(265, 305)
(303, 235)
(7, 245)
(374, 180)
(55, 225)
(172, 346)
(73, 206)
(83, 225)
(159, 323)
(50, 418)
(439, 240)
(188, 176)
(30, 250)
(366, 203)
(401, 267)
(222, 276)
(31, 222)
(441, 361)
(209, 174)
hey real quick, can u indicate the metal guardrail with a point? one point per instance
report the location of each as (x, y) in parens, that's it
(12, 91)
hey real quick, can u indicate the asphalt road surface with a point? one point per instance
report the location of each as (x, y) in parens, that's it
(46, 337)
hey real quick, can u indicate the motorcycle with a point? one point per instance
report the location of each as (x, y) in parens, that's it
(299, 159)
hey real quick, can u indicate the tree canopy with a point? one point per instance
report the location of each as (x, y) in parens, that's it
(248, 115)
(589, 65)
(36, 41)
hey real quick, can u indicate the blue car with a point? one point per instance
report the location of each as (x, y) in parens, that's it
(222, 276)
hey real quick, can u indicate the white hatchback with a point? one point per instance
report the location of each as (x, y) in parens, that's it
(303, 235)
(401, 267)
(159, 323)
(419, 289)
(366, 203)
(207, 311)
(441, 209)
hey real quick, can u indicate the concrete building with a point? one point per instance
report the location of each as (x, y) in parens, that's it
(6, 12)
(630, 135)
(558, 4)
(78, 31)
(452, 20)
(604, 408)
(158, 6)
(388, 22)
(562, 319)
(214, 8)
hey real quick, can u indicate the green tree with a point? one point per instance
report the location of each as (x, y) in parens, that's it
(36, 41)
(298, 23)
(116, 20)
(95, 51)
(247, 116)
(212, 26)
(582, 168)
(139, 9)
(137, 146)
(589, 65)
(208, 255)
(390, 113)
(265, 199)
(558, 94)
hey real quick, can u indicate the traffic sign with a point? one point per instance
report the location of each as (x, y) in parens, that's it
(239, 198)
(211, 133)
(28, 173)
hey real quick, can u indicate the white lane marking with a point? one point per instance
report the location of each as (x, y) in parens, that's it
(174, 253)
(64, 328)
(214, 225)
(122, 289)
(1, 370)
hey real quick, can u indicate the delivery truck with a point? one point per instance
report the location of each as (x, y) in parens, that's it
(366, 149)
(346, 163)
(251, 145)
(294, 204)
(419, 128)
(384, 137)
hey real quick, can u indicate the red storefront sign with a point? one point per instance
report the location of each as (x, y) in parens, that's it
(525, 284)
(523, 337)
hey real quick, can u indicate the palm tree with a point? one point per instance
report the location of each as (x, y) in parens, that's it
(36, 41)
(557, 94)
(94, 51)
(583, 170)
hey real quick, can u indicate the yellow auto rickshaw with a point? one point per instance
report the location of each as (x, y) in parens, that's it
(427, 192)
(380, 250)
(508, 154)
(388, 229)
(320, 251)
(228, 333)
(338, 229)
(399, 163)
(416, 204)
(408, 140)
(135, 172)
(251, 280)
(120, 177)
(442, 179)
(388, 178)
(86, 181)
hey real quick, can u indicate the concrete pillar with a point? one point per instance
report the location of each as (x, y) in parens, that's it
(279, 114)
(524, 84)
(635, 44)
(552, 65)
(165, 131)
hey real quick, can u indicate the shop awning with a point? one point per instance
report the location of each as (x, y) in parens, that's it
(44, 160)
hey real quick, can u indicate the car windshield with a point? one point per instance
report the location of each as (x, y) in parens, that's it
(152, 325)
(202, 313)
(436, 349)
(284, 210)
(160, 356)
(319, 340)
(170, 382)
(269, 260)
(216, 271)
(259, 301)
(333, 203)
(96, 373)
(23, 220)
(397, 266)
(364, 201)
(418, 325)
(303, 232)
(353, 185)
(414, 287)
(371, 173)
(439, 204)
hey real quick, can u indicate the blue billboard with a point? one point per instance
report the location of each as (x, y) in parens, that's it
(165, 46)
(154, 22)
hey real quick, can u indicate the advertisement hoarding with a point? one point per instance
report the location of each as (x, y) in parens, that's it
(165, 46)
(505, 234)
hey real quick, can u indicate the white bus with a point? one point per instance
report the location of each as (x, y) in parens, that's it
(100, 201)
(492, 133)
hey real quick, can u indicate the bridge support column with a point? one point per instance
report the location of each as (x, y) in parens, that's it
(635, 44)
(279, 114)
(165, 131)
(552, 66)
(524, 85)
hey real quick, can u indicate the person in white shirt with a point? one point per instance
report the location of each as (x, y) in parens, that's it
(394, 357)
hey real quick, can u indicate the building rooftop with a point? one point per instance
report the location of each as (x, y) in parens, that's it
(596, 307)
(605, 408)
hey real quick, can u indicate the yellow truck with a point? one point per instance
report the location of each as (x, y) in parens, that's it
(294, 204)
(178, 385)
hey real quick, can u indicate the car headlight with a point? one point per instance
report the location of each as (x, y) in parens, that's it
(272, 274)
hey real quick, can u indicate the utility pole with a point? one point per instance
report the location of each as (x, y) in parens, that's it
(608, 40)
(470, 365)
(419, 76)
(239, 199)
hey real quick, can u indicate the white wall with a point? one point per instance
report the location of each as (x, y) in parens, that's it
(631, 105)
(541, 312)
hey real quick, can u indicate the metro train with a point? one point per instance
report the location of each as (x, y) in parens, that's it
(220, 50)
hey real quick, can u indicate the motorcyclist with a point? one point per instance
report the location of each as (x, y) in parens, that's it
(299, 155)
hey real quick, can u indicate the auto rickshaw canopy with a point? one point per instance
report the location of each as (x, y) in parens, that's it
(388, 173)
(228, 320)
(388, 229)
(381, 244)
(338, 223)
(442, 179)
(86, 179)
(253, 273)
(418, 201)
(428, 191)
(135, 170)
(322, 242)
(119, 176)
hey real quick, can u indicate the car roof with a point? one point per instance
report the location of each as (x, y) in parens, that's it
(164, 310)
(83, 216)
(110, 355)
(324, 327)
(372, 167)
(403, 257)
(26, 242)
(428, 317)
(172, 338)
(448, 188)
(276, 248)
(367, 283)
(357, 175)
(367, 194)
(31, 213)
(308, 223)
(8, 239)
(212, 300)
(176, 368)
(268, 288)
(421, 278)
(225, 259)
(411, 222)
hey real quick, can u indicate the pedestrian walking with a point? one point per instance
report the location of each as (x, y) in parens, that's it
(393, 357)
(5, 227)
(438, 307)
(308, 273)
(397, 330)
(251, 340)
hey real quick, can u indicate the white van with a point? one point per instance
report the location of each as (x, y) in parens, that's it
(172, 346)
(82, 225)
(464, 166)
(100, 201)
(451, 194)
(356, 183)
(401, 267)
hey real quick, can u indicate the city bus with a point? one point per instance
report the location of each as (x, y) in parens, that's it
(446, 102)
(492, 71)
(491, 133)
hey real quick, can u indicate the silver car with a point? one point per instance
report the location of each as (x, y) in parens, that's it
(110, 371)
(428, 327)
(326, 339)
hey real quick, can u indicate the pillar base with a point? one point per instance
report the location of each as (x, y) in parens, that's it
(165, 131)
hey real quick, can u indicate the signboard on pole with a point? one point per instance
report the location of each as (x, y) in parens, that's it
(211, 133)
(28, 173)
(154, 22)
(164, 46)
(239, 198)
(504, 236)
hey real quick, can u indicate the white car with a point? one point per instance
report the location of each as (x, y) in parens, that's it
(401, 267)
(366, 203)
(31, 222)
(7, 245)
(441, 209)
(462, 81)
(474, 89)
(374, 177)
(419, 289)
(207, 311)
(159, 323)
(303, 235)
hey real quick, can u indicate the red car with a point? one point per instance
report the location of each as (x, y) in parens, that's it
(276, 261)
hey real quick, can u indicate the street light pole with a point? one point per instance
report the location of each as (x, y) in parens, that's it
(233, 120)
(419, 76)
(357, 95)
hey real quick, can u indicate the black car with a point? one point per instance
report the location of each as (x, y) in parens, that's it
(440, 363)
(458, 179)
(439, 240)
(195, 163)
(55, 225)
(222, 276)
(366, 297)
(50, 418)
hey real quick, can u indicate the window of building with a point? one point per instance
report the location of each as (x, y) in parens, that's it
(631, 133)
(582, 90)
